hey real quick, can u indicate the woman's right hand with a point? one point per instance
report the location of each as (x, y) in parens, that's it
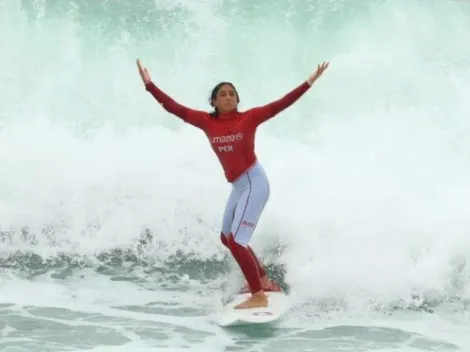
(144, 74)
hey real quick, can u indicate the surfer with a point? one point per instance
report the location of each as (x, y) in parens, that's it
(232, 137)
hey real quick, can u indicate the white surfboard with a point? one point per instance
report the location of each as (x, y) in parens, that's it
(278, 304)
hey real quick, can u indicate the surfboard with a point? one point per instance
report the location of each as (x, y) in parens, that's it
(278, 305)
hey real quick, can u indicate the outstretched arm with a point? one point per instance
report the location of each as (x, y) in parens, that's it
(193, 117)
(166, 101)
(263, 113)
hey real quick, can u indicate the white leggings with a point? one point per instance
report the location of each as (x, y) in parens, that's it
(250, 193)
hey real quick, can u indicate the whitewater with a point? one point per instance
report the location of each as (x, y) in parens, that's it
(110, 208)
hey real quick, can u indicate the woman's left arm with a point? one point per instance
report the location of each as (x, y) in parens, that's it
(263, 113)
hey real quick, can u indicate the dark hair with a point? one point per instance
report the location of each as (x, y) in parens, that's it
(213, 96)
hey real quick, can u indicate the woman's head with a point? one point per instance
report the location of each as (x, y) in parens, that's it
(224, 98)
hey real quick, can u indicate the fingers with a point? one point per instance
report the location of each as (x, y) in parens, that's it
(322, 67)
(318, 72)
(144, 74)
(139, 66)
(141, 69)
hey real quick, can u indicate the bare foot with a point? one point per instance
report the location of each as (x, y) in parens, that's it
(256, 300)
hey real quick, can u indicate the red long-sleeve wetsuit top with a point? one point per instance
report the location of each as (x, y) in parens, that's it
(232, 135)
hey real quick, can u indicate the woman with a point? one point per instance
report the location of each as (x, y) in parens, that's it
(232, 136)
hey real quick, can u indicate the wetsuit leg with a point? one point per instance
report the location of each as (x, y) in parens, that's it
(255, 194)
(254, 188)
(229, 213)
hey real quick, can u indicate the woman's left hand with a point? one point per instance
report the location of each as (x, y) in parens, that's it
(318, 72)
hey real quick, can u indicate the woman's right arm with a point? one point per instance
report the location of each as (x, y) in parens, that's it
(167, 102)
(193, 117)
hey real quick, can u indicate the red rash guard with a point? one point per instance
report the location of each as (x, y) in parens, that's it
(232, 135)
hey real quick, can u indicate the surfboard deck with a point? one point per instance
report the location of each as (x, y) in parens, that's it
(278, 305)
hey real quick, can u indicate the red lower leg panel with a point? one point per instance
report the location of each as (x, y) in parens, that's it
(223, 239)
(261, 270)
(258, 264)
(247, 264)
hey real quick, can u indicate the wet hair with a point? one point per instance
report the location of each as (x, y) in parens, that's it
(213, 96)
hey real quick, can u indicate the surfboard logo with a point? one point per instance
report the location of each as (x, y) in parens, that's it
(262, 314)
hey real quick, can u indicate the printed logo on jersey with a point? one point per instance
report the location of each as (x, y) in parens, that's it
(225, 139)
